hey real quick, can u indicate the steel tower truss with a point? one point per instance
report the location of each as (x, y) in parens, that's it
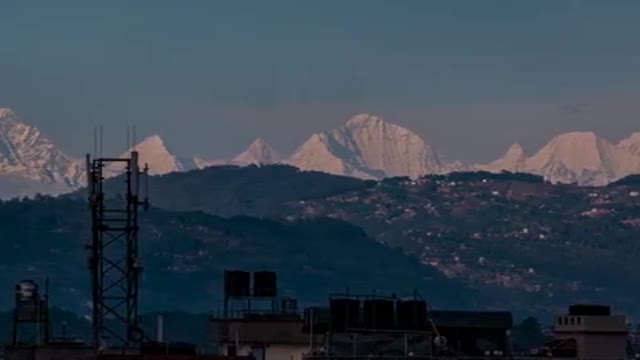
(114, 260)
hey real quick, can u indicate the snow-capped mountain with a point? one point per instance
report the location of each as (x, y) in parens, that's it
(367, 147)
(200, 163)
(31, 163)
(513, 160)
(631, 144)
(319, 153)
(575, 157)
(259, 152)
(154, 153)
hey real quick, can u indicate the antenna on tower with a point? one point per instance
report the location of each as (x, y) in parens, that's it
(135, 140)
(128, 137)
(100, 144)
(95, 141)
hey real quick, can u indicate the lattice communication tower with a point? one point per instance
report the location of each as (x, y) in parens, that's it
(114, 259)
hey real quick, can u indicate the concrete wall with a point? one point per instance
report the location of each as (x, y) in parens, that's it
(568, 323)
(285, 352)
(604, 347)
(272, 352)
(597, 337)
(49, 353)
(259, 331)
(599, 346)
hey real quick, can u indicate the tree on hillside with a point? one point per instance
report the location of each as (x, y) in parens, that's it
(528, 335)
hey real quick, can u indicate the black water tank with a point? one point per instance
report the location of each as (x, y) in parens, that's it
(412, 315)
(265, 284)
(378, 314)
(345, 314)
(237, 283)
(589, 310)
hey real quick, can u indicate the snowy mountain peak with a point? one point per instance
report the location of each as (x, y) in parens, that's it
(153, 141)
(154, 153)
(367, 146)
(27, 154)
(6, 114)
(364, 119)
(259, 142)
(515, 150)
(513, 160)
(577, 138)
(631, 144)
(578, 151)
(321, 154)
(259, 152)
(635, 137)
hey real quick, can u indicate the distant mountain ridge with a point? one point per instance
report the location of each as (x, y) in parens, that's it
(366, 147)
(259, 152)
(576, 157)
(29, 159)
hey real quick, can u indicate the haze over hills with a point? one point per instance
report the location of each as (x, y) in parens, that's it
(366, 146)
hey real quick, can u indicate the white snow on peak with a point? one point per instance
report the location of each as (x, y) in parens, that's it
(25, 153)
(154, 153)
(578, 151)
(367, 146)
(515, 151)
(201, 163)
(6, 114)
(151, 142)
(320, 153)
(259, 152)
(581, 157)
(513, 160)
(631, 144)
(364, 120)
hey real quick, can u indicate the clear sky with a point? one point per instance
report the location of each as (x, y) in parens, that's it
(470, 76)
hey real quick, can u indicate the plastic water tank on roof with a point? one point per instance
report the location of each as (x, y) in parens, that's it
(27, 289)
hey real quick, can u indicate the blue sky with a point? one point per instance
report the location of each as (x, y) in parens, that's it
(209, 76)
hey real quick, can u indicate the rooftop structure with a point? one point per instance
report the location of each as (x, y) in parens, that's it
(256, 322)
(590, 332)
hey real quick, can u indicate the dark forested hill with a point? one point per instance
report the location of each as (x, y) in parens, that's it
(510, 236)
(541, 246)
(184, 254)
(232, 190)
(534, 245)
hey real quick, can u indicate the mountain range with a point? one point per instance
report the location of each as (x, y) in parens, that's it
(366, 146)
